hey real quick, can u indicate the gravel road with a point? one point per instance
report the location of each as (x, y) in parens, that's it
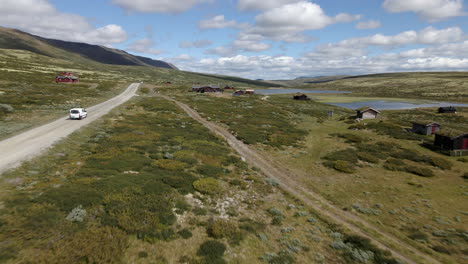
(287, 182)
(25, 146)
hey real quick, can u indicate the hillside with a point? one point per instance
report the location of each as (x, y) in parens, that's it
(16, 39)
(306, 80)
(441, 86)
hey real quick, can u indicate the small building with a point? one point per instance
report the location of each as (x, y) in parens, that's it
(425, 127)
(227, 87)
(367, 113)
(168, 82)
(451, 140)
(448, 109)
(249, 91)
(301, 97)
(238, 92)
(67, 79)
(206, 88)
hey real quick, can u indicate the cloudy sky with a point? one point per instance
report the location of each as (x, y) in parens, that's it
(262, 39)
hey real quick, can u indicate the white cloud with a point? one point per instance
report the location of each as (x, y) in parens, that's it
(431, 10)
(286, 23)
(371, 24)
(428, 36)
(158, 6)
(42, 18)
(263, 5)
(436, 63)
(217, 22)
(184, 57)
(195, 44)
(144, 45)
(222, 51)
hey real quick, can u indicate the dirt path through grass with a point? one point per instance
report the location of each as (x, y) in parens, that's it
(26, 145)
(357, 225)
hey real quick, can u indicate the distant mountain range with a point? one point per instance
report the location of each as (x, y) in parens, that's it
(16, 39)
(306, 80)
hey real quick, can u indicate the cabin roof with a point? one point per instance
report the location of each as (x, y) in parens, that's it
(425, 123)
(452, 133)
(366, 108)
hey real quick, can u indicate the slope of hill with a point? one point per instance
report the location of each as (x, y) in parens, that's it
(305, 80)
(16, 39)
(441, 86)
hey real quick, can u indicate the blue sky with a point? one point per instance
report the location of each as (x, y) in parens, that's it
(268, 39)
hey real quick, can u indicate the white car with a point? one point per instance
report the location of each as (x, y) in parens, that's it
(78, 113)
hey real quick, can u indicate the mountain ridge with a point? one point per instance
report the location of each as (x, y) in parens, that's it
(16, 39)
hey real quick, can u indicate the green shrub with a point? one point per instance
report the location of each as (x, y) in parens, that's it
(221, 228)
(210, 171)
(207, 186)
(6, 108)
(424, 172)
(442, 249)
(198, 211)
(70, 196)
(441, 163)
(142, 254)
(185, 233)
(394, 161)
(367, 157)
(463, 160)
(349, 155)
(341, 165)
(351, 138)
(169, 164)
(212, 250)
(144, 90)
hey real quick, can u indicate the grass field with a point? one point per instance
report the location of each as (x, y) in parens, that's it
(148, 184)
(439, 86)
(30, 97)
(380, 171)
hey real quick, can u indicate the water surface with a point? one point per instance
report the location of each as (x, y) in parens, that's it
(293, 91)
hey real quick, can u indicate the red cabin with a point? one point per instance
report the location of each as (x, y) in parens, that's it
(67, 77)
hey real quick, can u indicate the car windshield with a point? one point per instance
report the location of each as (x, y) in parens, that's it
(74, 111)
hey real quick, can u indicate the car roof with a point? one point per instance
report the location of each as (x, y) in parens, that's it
(76, 109)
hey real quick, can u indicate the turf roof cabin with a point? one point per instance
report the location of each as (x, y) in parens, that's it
(301, 97)
(206, 88)
(447, 110)
(451, 140)
(367, 113)
(425, 127)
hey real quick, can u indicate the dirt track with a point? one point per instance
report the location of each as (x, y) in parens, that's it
(324, 207)
(29, 144)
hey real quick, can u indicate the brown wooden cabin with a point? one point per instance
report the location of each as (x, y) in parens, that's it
(249, 91)
(301, 97)
(206, 88)
(447, 110)
(451, 140)
(367, 113)
(228, 87)
(425, 127)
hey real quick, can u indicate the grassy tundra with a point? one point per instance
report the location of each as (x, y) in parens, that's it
(377, 170)
(440, 86)
(150, 185)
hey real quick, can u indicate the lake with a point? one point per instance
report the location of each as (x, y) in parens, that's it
(292, 91)
(395, 105)
(377, 104)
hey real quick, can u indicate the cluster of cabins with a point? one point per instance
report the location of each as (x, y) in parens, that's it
(444, 139)
(448, 140)
(66, 77)
(217, 89)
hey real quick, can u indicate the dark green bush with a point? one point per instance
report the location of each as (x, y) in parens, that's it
(424, 172)
(71, 195)
(212, 250)
(351, 138)
(185, 233)
(364, 156)
(394, 161)
(210, 171)
(207, 186)
(441, 163)
(341, 166)
(442, 249)
(349, 155)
